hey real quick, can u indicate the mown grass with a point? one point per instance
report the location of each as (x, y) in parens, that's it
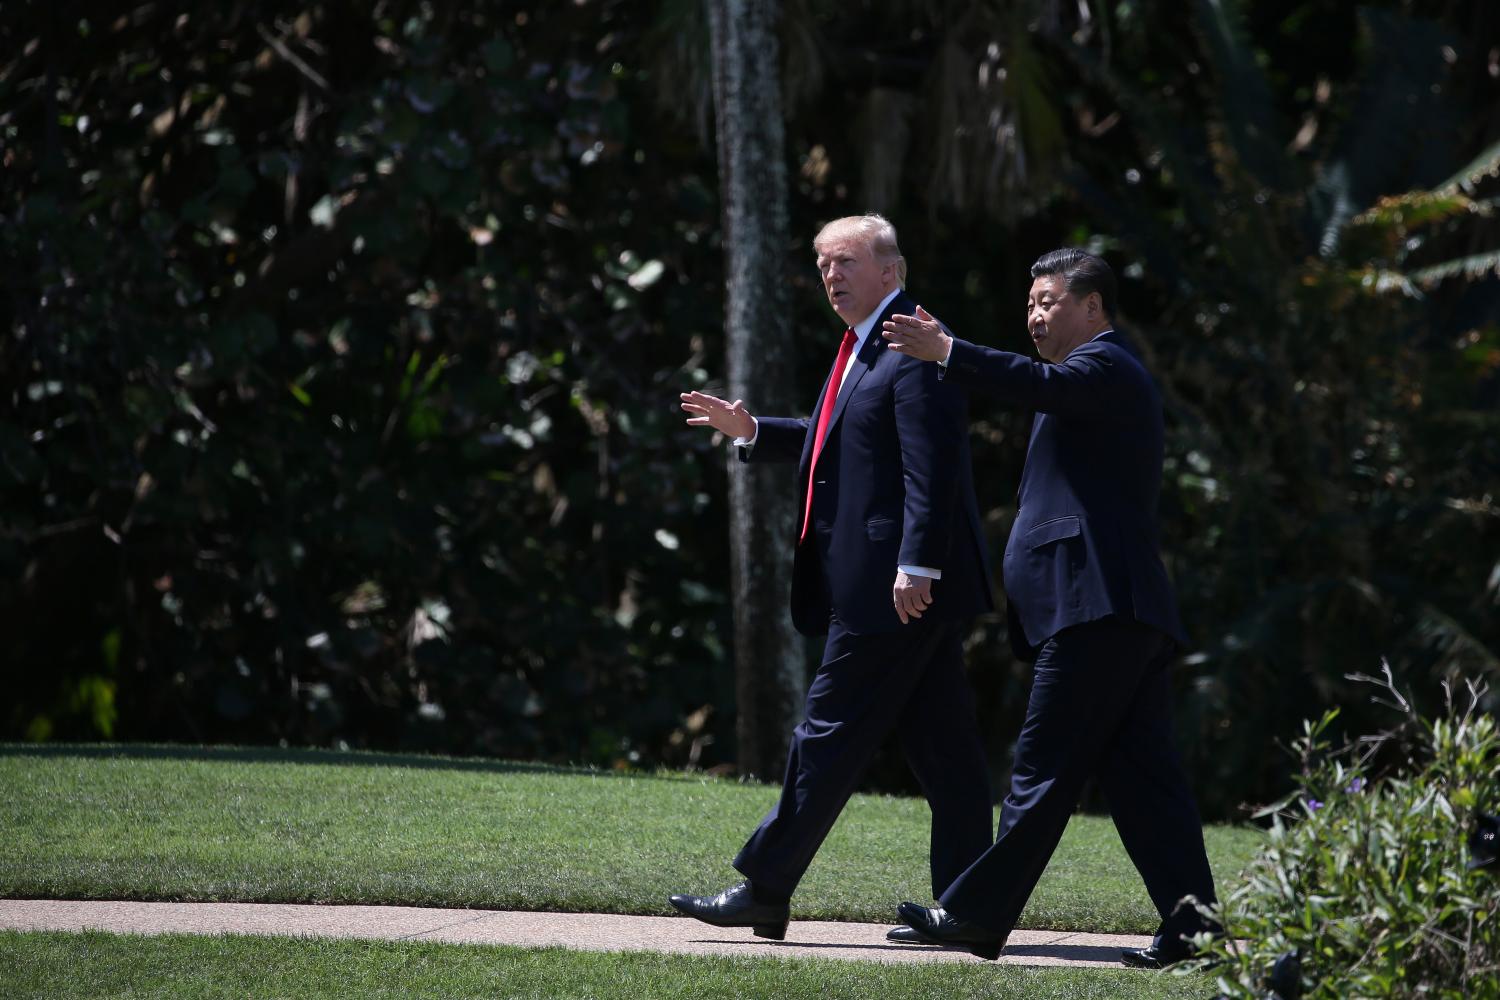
(310, 826)
(66, 966)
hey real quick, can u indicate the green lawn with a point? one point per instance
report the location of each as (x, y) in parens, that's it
(124, 967)
(313, 826)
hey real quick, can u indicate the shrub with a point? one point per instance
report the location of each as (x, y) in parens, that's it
(1365, 887)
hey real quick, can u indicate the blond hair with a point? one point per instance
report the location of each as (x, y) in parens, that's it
(874, 230)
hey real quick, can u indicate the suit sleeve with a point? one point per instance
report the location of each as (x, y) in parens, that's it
(780, 440)
(1087, 383)
(931, 421)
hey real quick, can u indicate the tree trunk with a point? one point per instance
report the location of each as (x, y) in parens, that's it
(768, 654)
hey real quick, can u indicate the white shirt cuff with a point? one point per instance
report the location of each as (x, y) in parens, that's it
(749, 442)
(944, 363)
(934, 574)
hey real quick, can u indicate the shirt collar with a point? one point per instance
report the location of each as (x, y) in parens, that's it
(1100, 334)
(863, 327)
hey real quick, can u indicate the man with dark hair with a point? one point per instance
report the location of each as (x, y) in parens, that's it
(889, 565)
(1090, 604)
(1081, 272)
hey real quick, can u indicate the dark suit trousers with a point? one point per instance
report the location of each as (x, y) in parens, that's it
(1100, 707)
(911, 681)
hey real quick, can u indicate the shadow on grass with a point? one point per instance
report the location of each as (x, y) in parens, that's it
(824, 945)
(1073, 953)
(300, 755)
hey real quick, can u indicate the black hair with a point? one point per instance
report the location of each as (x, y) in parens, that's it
(1082, 273)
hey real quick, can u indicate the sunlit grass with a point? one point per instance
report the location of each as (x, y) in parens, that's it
(310, 826)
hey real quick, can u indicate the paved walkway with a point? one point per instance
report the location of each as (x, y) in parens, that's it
(583, 931)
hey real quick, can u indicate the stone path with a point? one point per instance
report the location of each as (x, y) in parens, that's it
(583, 931)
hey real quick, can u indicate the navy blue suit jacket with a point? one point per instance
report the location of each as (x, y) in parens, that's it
(1085, 544)
(895, 487)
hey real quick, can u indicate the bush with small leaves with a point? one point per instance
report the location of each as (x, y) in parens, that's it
(1375, 876)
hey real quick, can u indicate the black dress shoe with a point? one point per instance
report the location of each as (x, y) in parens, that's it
(908, 935)
(939, 926)
(736, 907)
(1155, 956)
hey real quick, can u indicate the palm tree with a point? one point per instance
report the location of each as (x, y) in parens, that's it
(768, 654)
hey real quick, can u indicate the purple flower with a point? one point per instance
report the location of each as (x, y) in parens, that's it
(1313, 805)
(1355, 786)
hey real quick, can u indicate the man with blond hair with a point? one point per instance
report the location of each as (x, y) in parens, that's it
(889, 565)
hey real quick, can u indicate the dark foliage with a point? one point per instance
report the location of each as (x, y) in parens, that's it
(338, 394)
(335, 385)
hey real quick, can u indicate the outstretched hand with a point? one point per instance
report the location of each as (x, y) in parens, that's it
(921, 336)
(723, 416)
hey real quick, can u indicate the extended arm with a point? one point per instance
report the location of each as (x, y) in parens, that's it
(767, 439)
(1086, 383)
(723, 416)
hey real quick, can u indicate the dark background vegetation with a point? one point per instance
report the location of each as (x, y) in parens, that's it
(339, 386)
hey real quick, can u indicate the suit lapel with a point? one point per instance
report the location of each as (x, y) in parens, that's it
(869, 354)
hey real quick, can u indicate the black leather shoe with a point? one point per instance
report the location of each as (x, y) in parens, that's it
(736, 907)
(908, 935)
(939, 926)
(1155, 956)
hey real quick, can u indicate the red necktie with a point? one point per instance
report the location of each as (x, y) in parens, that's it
(830, 396)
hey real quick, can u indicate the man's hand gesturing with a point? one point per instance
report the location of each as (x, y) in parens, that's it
(723, 416)
(921, 336)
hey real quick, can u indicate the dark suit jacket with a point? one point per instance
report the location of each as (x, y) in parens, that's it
(895, 487)
(1085, 543)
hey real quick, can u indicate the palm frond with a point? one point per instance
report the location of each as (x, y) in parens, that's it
(1420, 208)
(1486, 164)
(1470, 268)
(1380, 280)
